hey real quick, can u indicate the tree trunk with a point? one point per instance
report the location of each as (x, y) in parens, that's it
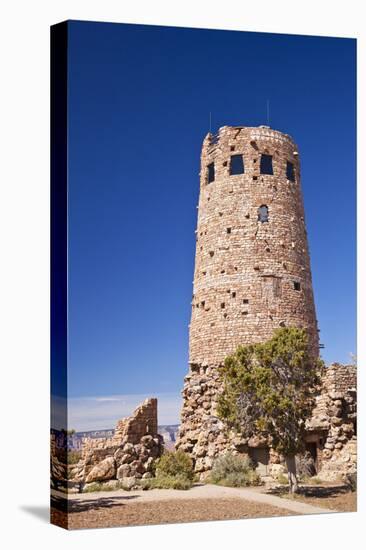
(291, 469)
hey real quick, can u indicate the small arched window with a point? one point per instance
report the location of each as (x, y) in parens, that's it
(263, 213)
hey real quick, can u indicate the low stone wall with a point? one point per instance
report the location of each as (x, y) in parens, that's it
(129, 454)
(201, 433)
(333, 426)
(331, 432)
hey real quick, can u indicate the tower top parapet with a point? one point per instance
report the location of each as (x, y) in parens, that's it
(251, 133)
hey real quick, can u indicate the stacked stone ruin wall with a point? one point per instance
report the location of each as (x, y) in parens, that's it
(128, 455)
(143, 422)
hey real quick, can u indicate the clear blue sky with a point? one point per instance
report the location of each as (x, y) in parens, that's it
(139, 102)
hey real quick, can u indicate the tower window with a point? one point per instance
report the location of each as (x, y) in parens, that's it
(297, 285)
(236, 165)
(290, 171)
(263, 213)
(266, 164)
(211, 172)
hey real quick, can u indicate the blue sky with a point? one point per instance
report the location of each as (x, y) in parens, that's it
(139, 103)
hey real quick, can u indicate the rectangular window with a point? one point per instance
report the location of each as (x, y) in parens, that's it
(296, 285)
(211, 172)
(236, 165)
(266, 165)
(290, 171)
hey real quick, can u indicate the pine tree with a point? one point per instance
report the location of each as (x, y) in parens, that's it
(269, 389)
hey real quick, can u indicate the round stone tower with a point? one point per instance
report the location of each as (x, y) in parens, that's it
(252, 266)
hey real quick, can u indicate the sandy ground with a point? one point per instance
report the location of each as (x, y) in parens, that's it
(201, 503)
(338, 502)
(170, 511)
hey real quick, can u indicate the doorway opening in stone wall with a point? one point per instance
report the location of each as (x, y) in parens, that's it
(312, 448)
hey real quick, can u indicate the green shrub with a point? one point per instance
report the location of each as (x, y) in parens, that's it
(174, 470)
(282, 479)
(175, 464)
(93, 488)
(234, 471)
(167, 482)
(98, 486)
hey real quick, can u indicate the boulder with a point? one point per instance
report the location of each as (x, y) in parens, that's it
(106, 469)
(147, 441)
(124, 471)
(128, 483)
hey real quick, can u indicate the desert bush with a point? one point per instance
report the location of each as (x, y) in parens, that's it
(98, 486)
(167, 482)
(174, 470)
(234, 471)
(305, 465)
(93, 487)
(282, 479)
(174, 464)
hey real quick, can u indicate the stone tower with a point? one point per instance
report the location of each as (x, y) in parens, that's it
(252, 267)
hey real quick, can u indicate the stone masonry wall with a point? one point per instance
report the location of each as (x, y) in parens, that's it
(245, 269)
(128, 455)
(144, 421)
(250, 276)
(333, 426)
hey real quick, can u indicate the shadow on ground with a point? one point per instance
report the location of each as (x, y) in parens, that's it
(78, 505)
(318, 491)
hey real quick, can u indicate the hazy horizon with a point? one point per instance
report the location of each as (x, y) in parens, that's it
(103, 412)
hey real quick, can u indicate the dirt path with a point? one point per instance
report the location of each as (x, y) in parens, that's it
(199, 492)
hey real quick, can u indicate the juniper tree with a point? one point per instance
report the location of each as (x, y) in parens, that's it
(269, 389)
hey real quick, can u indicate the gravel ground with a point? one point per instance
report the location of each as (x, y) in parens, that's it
(200, 503)
(129, 512)
(346, 502)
